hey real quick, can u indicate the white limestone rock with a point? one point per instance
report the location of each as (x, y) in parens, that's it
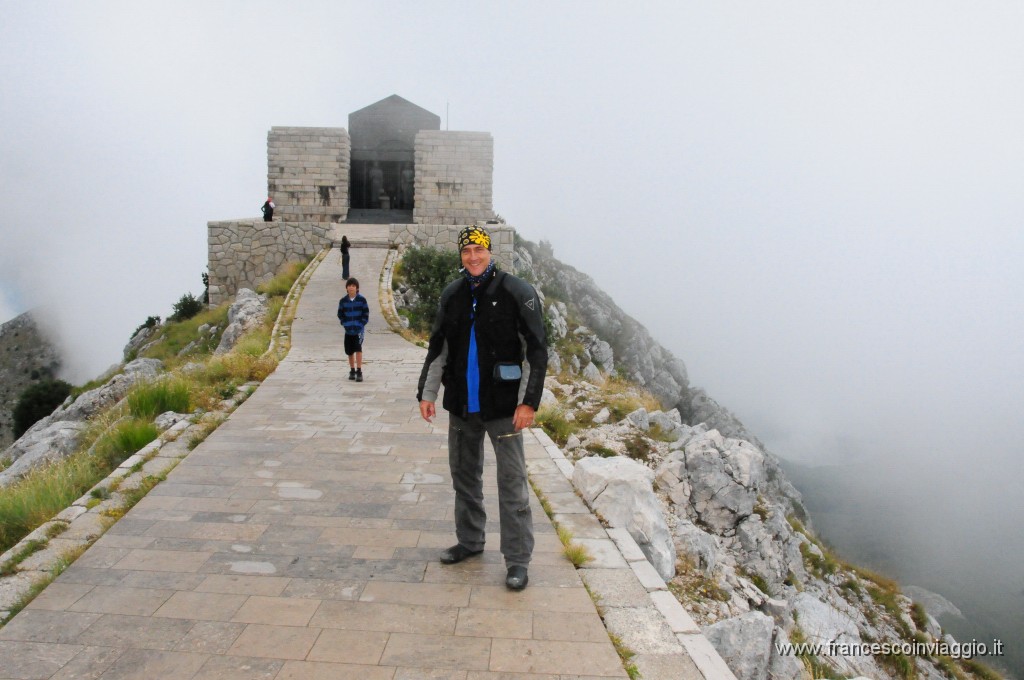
(548, 398)
(559, 324)
(785, 666)
(144, 335)
(592, 373)
(554, 361)
(40, 446)
(640, 418)
(699, 547)
(246, 312)
(621, 490)
(167, 420)
(602, 353)
(724, 477)
(745, 643)
(666, 422)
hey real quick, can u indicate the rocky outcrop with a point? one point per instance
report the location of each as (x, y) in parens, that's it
(636, 354)
(758, 580)
(27, 355)
(246, 312)
(56, 436)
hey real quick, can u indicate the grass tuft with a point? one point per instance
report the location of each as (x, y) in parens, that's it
(149, 399)
(555, 424)
(33, 500)
(282, 283)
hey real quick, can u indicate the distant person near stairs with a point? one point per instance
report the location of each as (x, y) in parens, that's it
(354, 313)
(268, 210)
(487, 323)
(345, 245)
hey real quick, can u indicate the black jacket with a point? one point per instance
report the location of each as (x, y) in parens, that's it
(509, 329)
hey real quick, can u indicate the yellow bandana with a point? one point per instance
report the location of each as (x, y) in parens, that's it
(476, 235)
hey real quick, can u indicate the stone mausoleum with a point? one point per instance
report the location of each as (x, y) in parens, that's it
(393, 165)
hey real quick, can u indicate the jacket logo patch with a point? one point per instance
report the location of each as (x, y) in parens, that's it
(494, 303)
(529, 304)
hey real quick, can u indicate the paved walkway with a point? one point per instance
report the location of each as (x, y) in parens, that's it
(300, 540)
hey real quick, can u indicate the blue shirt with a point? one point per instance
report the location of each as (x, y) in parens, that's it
(473, 369)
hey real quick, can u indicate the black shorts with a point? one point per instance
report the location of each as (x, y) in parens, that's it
(352, 344)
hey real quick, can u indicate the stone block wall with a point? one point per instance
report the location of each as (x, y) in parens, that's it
(445, 237)
(308, 173)
(454, 177)
(246, 253)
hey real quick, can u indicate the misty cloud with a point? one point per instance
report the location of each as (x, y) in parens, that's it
(815, 206)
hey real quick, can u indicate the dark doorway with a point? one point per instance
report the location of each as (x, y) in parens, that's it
(383, 153)
(382, 185)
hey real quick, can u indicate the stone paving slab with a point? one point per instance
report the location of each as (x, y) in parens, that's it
(300, 540)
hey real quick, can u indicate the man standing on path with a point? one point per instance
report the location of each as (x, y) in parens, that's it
(354, 313)
(487, 323)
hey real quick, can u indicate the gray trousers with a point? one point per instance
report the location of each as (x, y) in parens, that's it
(466, 459)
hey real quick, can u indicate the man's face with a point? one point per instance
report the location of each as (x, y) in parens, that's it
(352, 290)
(475, 258)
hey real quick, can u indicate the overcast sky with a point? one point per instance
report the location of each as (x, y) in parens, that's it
(816, 205)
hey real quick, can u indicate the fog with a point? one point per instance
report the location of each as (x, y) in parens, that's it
(817, 206)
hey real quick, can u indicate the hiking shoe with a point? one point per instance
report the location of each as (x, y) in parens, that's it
(457, 553)
(359, 375)
(352, 374)
(516, 579)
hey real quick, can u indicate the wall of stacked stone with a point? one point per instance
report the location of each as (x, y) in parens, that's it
(308, 173)
(445, 237)
(454, 177)
(246, 253)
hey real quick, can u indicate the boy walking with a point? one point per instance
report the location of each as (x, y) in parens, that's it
(353, 312)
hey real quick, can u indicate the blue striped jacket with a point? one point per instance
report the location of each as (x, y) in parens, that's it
(353, 314)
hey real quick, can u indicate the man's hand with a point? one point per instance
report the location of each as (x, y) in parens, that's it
(427, 410)
(523, 417)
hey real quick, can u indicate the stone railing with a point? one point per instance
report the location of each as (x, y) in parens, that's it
(246, 253)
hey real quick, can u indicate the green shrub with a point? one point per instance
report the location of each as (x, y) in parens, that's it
(638, 447)
(148, 323)
(187, 306)
(427, 271)
(37, 402)
(602, 451)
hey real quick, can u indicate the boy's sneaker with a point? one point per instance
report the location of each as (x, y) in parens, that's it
(352, 374)
(359, 375)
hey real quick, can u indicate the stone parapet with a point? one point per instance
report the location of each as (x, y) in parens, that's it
(445, 237)
(454, 177)
(246, 253)
(308, 173)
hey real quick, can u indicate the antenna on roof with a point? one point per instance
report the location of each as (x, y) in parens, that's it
(446, 114)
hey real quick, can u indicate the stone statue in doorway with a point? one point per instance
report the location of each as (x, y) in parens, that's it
(376, 184)
(406, 187)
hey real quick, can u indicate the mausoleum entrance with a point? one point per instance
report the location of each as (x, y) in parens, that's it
(383, 168)
(382, 185)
